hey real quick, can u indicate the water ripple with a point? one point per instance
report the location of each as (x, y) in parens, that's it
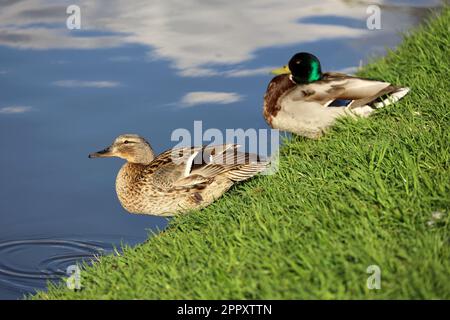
(27, 265)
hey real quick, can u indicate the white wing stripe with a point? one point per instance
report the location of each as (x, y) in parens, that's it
(187, 169)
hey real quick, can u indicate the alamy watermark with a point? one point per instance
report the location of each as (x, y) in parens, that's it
(260, 144)
(73, 282)
(373, 21)
(374, 280)
(74, 19)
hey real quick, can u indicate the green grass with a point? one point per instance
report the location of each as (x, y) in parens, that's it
(363, 195)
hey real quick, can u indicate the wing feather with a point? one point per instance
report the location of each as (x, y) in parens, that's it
(191, 167)
(337, 86)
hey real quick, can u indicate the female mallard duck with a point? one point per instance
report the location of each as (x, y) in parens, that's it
(179, 179)
(303, 100)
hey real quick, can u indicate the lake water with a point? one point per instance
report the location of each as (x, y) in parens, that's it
(139, 67)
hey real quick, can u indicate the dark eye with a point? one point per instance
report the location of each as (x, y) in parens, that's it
(126, 142)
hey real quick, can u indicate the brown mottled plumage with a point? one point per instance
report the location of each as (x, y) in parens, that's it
(177, 180)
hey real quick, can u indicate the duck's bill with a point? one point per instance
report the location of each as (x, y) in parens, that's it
(282, 70)
(101, 154)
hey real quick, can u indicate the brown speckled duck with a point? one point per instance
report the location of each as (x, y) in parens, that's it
(177, 180)
(303, 100)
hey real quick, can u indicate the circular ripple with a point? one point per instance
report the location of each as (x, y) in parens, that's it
(26, 265)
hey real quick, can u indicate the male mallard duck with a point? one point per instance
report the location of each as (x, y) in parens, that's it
(179, 179)
(303, 100)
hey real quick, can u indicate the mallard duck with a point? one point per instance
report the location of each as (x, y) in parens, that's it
(177, 180)
(303, 100)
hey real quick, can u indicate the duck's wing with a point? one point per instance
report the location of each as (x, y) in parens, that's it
(337, 86)
(235, 165)
(357, 91)
(197, 166)
(177, 163)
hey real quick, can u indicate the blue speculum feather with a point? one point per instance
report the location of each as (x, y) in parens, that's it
(340, 103)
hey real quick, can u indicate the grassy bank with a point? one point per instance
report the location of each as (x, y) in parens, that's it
(372, 192)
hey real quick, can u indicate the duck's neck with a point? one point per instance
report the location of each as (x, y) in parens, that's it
(144, 155)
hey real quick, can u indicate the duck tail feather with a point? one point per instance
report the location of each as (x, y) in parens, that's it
(385, 97)
(247, 171)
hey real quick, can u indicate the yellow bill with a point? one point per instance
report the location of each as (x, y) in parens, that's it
(282, 70)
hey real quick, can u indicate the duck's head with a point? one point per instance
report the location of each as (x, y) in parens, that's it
(130, 147)
(304, 67)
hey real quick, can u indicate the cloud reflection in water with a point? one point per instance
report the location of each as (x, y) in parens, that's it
(196, 36)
